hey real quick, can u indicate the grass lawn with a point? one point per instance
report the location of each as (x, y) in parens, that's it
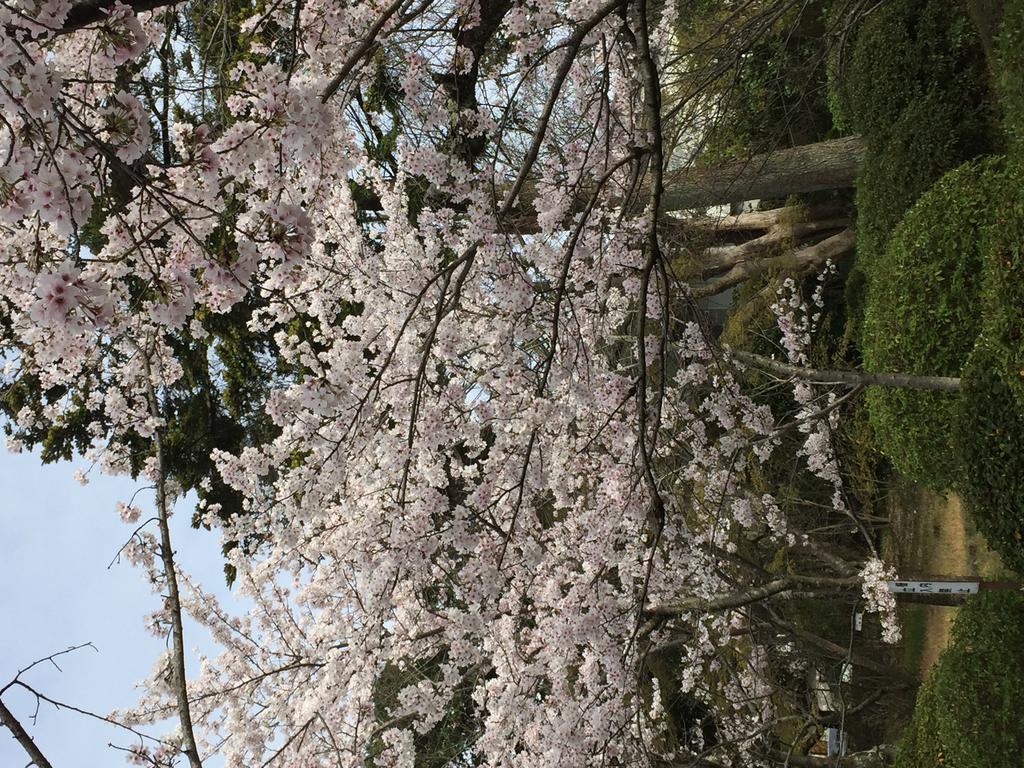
(932, 536)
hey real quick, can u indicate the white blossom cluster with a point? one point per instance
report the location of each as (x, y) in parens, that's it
(879, 597)
(483, 483)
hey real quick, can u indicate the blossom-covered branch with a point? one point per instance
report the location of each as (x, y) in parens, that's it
(418, 336)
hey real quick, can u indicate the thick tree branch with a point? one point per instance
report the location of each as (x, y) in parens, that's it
(721, 257)
(809, 168)
(9, 721)
(900, 380)
(653, 267)
(759, 221)
(820, 552)
(572, 47)
(739, 599)
(356, 56)
(748, 221)
(798, 261)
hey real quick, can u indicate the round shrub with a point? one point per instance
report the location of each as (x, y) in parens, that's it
(990, 436)
(922, 316)
(927, 139)
(968, 712)
(907, 51)
(915, 85)
(1004, 282)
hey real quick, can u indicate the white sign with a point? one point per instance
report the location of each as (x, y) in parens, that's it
(933, 587)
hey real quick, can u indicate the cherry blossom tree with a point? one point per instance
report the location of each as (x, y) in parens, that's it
(494, 486)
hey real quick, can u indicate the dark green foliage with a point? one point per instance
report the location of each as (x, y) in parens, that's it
(55, 444)
(1009, 65)
(922, 317)
(914, 85)
(990, 436)
(916, 88)
(777, 96)
(906, 51)
(855, 294)
(926, 140)
(968, 713)
(1004, 281)
(218, 404)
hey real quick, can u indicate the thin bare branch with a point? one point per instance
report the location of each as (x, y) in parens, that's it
(170, 575)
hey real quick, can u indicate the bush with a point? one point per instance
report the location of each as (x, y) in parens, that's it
(907, 51)
(916, 88)
(990, 433)
(1010, 73)
(968, 711)
(991, 413)
(926, 141)
(921, 316)
(1004, 282)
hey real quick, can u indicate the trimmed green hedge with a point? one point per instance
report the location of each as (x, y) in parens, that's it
(949, 290)
(916, 88)
(990, 424)
(905, 51)
(922, 316)
(990, 436)
(968, 713)
(927, 139)
(1010, 73)
(914, 83)
(945, 266)
(1004, 281)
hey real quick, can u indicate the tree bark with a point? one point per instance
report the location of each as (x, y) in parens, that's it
(853, 378)
(785, 234)
(810, 168)
(173, 600)
(8, 720)
(801, 260)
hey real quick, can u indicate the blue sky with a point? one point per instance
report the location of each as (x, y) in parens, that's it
(56, 541)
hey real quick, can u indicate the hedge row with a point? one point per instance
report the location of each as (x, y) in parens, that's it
(916, 87)
(968, 711)
(921, 317)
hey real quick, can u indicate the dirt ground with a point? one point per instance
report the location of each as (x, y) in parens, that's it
(933, 537)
